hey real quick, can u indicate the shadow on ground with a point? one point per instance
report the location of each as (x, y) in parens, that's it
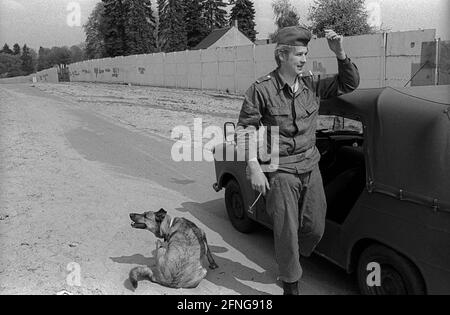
(258, 248)
(225, 276)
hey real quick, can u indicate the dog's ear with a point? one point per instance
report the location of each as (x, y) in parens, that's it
(160, 215)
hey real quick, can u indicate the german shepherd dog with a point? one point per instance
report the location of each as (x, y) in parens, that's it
(179, 257)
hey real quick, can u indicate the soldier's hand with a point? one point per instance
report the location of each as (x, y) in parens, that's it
(336, 43)
(258, 179)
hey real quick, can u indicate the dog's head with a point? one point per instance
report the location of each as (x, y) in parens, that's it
(150, 220)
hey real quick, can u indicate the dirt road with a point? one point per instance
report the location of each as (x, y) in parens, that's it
(75, 159)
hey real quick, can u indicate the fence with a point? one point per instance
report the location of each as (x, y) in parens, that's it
(49, 75)
(389, 59)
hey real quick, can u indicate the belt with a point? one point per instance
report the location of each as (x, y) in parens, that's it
(291, 158)
(295, 158)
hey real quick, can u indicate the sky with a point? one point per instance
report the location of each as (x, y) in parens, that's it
(51, 23)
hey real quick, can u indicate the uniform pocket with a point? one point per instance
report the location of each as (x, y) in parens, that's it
(279, 111)
(312, 106)
(278, 116)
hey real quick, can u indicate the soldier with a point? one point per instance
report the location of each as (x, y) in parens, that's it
(288, 99)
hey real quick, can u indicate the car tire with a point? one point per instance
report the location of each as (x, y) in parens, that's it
(398, 275)
(235, 205)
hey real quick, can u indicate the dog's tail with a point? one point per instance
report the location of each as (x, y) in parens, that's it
(140, 273)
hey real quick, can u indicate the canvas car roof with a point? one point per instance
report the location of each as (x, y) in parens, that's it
(408, 139)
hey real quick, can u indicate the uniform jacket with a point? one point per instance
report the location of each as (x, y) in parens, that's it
(271, 102)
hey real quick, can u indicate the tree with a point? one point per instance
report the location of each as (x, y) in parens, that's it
(60, 56)
(43, 61)
(27, 60)
(113, 25)
(140, 27)
(34, 57)
(345, 17)
(215, 14)
(172, 34)
(285, 13)
(94, 30)
(196, 27)
(10, 65)
(57, 56)
(76, 54)
(6, 50)
(120, 28)
(244, 12)
(16, 49)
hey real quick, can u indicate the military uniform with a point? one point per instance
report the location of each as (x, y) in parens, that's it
(296, 199)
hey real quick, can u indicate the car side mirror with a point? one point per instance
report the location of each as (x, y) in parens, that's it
(229, 131)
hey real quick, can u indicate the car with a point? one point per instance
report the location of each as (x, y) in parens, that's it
(385, 163)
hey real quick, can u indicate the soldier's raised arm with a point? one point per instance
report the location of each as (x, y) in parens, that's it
(347, 79)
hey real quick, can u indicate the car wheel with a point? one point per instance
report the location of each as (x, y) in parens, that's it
(235, 205)
(398, 276)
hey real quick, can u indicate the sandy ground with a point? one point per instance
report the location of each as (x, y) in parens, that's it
(50, 209)
(155, 110)
(160, 110)
(59, 208)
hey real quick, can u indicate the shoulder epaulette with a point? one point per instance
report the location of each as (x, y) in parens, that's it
(264, 78)
(312, 80)
(308, 74)
(308, 80)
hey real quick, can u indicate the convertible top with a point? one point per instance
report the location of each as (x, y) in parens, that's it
(407, 142)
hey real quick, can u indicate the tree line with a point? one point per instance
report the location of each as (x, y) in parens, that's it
(17, 61)
(346, 17)
(22, 61)
(129, 27)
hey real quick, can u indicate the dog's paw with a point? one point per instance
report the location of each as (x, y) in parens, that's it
(134, 283)
(213, 266)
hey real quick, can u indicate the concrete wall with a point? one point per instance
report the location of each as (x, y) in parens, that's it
(49, 75)
(403, 51)
(382, 59)
(444, 63)
(365, 51)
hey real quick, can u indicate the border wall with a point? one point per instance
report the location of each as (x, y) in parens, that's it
(387, 59)
(48, 75)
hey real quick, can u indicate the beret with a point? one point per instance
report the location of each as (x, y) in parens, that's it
(293, 36)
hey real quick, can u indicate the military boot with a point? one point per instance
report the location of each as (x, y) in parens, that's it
(290, 288)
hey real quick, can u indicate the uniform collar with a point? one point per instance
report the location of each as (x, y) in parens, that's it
(281, 83)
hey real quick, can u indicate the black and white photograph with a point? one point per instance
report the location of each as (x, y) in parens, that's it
(225, 152)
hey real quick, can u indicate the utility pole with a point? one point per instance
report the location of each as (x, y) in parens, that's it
(436, 70)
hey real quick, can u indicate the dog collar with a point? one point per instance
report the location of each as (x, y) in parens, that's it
(166, 237)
